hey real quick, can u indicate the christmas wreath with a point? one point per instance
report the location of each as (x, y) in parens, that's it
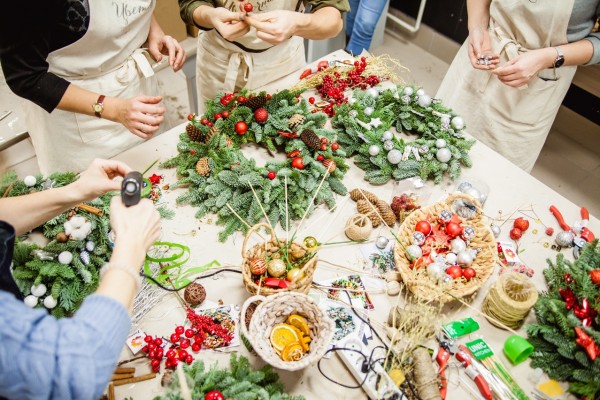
(223, 181)
(363, 124)
(61, 273)
(566, 336)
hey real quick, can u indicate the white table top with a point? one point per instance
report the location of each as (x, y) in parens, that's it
(511, 189)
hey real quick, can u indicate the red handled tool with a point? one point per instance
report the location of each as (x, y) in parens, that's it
(475, 376)
(576, 237)
(442, 358)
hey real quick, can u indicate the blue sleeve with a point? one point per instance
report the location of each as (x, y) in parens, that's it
(72, 358)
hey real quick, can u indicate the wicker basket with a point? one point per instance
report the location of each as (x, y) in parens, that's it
(418, 281)
(259, 251)
(275, 309)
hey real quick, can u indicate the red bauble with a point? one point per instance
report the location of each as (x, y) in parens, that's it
(595, 276)
(453, 229)
(323, 147)
(242, 99)
(225, 114)
(271, 175)
(516, 233)
(320, 157)
(424, 227)
(521, 223)
(248, 7)
(324, 140)
(454, 271)
(193, 152)
(224, 100)
(549, 231)
(204, 121)
(174, 338)
(261, 115)
(218, 116)
(191, 117)
(469, 273)
(334, 146)
(298, 163)
(214, 395)
(241, 128)
(311, 100)
(209, 124)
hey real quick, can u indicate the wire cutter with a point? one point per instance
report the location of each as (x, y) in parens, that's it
(581, 234)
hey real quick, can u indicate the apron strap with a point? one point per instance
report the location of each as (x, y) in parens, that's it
(511, 47)
(235, 60)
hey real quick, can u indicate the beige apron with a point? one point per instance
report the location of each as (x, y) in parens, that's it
(106, 60)
(250, 62)
(514, 122)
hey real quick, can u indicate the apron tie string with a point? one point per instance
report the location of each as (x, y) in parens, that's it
(232, 70)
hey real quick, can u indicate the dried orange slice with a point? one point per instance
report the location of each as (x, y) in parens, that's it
(292, 352)
(299, 322)
(304, 342)
(283, 335)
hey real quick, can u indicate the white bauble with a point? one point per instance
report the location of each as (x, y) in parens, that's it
(90, 246)
(443, 155)
(458, 123)
(440, 143)
(464, 258)
(424, 100)
(29, 180)
(451, 258)
(381, 242)
(387, 135)
(413, 251)
(388, 145)
(373, 92)
(394, 156)
(30, 301)
(50, 302)
(65, 257)
(351, 100)
(408, 91)
(420, 92)
(374, 150)
(38, 290)
(368, 111)
(457, 245)
(435, 270)
(445, 120)
(495, 230)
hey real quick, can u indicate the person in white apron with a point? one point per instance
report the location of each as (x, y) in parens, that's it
(110, 102)
(253, 49)
(510, 76)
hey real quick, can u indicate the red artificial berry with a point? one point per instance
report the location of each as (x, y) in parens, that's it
(152, 354)
(521, 223)
(323, 147)
(454, 271)
(174, 338)
(198, 339)
(196, 347)
(469, 273)
(151, 346)
(298, 163)
(182, 354)
(320, 157)
(241, 128)
(145, 349)
(189, 333)
(204, 121)
(210, 124)
(155, 363)
(218, 116)
(171, 353)
(148, 339)
(158, 341)
(334, 146)
(189, 359)
(311, 100)
(356, 63)
(193, 152)
(190, 117)
(225, 114)
(184, 344)
(159, 353)
(156, 369)
(214, 395)
(516, 233)
(224, 101)
(271, 175)
(248, 7)
(453, 229)
(179, 330)
(549, 231)
(242, 99)
(424, 227)
(268, 96)
(323, 140)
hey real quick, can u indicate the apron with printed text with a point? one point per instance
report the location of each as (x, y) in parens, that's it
(248, 62)
(513, 121)
(107, 60)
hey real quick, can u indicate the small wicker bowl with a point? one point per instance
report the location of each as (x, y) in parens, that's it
(418, 281)
(258, 251)
(274, 310)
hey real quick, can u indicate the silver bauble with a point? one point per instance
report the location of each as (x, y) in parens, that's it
(368, 111)
(464, 186)
(435, 270)
(374, 150)
(388, 145)
(50, 302)
(387, 135)
(495, 230)
(394, 156)
(468, 232)
(418, 238)
(424, 100)
(65, 257)
(445, 120)
(564, 239)
(464, 258)
(440, 143)
(38, 290)
(443, 155)
(373, 92)
(414, 252)
(451, 258)
(424, 149)
(420, 92)
(353, 113)
(30, 301)
(381, 242)
(447, 279)
(408, 91)
(29, 180)
(445, 215)
(458, 123)
(457, 245)
(84, 256)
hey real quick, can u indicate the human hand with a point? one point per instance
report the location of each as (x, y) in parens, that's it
(136, 228)
(165, 44)
(229, 24)
(274, 27)
(480, 49)
(98, 178)
(521, 69)
(140, 115)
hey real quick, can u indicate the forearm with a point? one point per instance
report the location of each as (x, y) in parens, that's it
(478, 12)
(324, 23)
(203, 16)
(187, 8)
(81, 101)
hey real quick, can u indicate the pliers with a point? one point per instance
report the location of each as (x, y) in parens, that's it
(581, 234)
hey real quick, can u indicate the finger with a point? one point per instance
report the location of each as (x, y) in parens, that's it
(171, 49)
(267, 37)
(140, 133)
(151, 120)
(114, 168)
(263, 26)
(179, 58)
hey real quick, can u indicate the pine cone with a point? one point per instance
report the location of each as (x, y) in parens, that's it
(256, 102)
(203, 167)
(386, 212)
(311, 139)
(358, 194)
(194, 133)
(365, 207)
(330, 165)
(213, 131)
(295, 121)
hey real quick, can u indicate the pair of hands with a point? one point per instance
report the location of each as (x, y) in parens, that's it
(516, 72)
(139, 225)
(273, 27)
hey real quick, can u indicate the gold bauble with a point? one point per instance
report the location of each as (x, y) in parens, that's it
(295, 274)
(310, 242)
(276, 268)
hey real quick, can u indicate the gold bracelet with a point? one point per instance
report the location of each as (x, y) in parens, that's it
(137, 278)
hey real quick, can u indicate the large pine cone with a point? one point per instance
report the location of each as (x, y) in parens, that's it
(386, 213)
(194, 133)
(256, 102)
(365, 207)
(311, 139)
(295, 121)
(359, 194)
(213, 131)
(203, 167)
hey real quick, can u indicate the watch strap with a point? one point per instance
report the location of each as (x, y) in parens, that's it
(100, 103)
(560, 57)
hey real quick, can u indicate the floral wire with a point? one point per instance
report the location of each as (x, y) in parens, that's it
(169, 289)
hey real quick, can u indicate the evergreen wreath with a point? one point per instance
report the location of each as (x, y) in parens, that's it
(566, 335)
(240, 382)
(33, 264)
(220, 179)
(363, 124)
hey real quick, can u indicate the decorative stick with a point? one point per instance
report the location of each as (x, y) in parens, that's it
(131, 360)
(311, 201)
(287, 213)
(117, 377)
(336, 206)
(124, 370)
(111, 391)
(242, 220)
(151, 165)
(90, 209)
(134, 379)
(263, 210)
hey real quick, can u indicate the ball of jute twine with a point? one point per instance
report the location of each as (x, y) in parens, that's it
(510, 299)
(358, 227)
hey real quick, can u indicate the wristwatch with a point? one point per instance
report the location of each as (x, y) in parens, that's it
(98, 106)
(560, 58)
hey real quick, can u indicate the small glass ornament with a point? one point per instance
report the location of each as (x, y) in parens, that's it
(424, 101)
(387, 135)
(445, 215)
(374, 150)
(475, 188)
(468, 232)
(276, 267)
(368, 111)
(388, 145)
(440, 143)
(408, 91)
(65, 257)
(90, 246)
(30, 301)
(50, 302)
(446, 279)
(443, 155)
(294, 274)
(310, 243)
(29, 181)
(414, 252)
(564, 239)
(458, 123)
(394, 156)
(418, 238)
(451, 258)
(464, 258)
(457, 245)
(381, 242)
(373, 92)
(38, 290)
(435, 270)
(420, 92)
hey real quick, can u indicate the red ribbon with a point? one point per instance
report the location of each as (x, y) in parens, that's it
(585, 313)
(569, 297)
(585, 341)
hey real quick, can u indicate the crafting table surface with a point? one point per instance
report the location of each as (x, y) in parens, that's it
(511, 189)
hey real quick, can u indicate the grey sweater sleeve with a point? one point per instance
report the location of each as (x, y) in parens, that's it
(584, 15)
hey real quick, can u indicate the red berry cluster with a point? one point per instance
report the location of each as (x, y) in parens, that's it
(154, 350)
(226, 99)
(206, 331)
(178, 351)
(403, 204)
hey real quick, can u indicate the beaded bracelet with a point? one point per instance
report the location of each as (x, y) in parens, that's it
(137, 278)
